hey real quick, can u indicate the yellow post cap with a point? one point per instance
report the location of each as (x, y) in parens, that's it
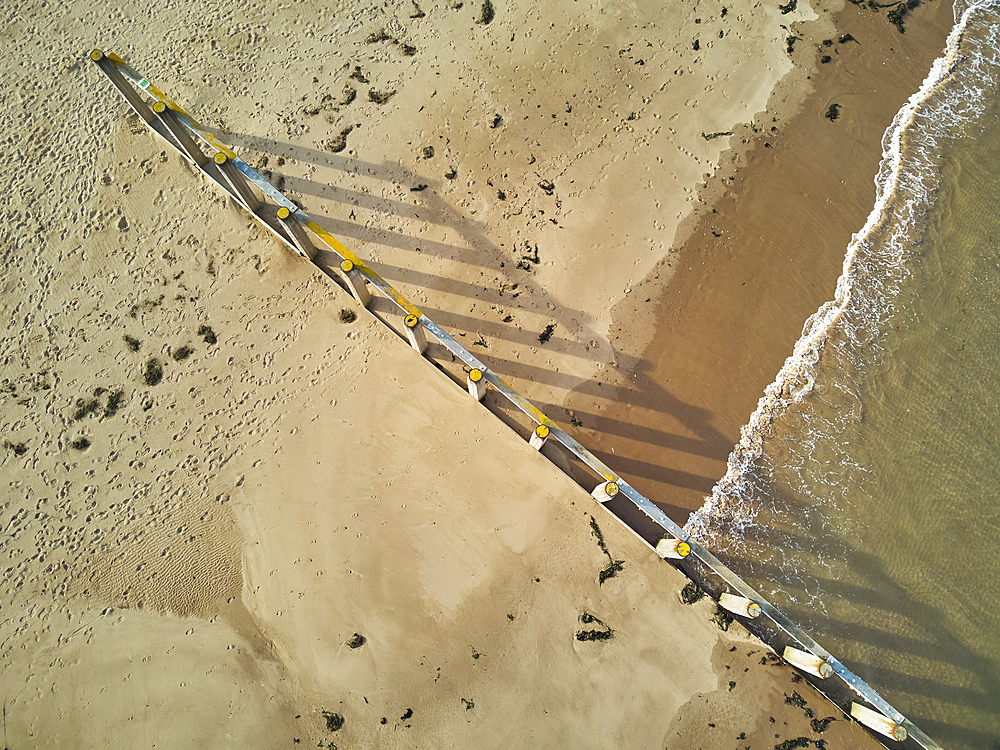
(475, 375)
(753, 609)
(220, 158)
(683, 549)
(542, 430)
(283, 212)
(159, 107)
(96, 55)
(346, 266)
(611, 488)
(411, 322)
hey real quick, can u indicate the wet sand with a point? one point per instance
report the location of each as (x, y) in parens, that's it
(757, 266)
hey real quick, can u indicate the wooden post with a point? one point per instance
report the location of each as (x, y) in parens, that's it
(605, 491)
(181, 134)
(878, 722)
(739, 606)
(807, 662)
(237, 183)
(673, 549)
(476, 384)
(415, 333)
(297, 233)
(356, 283)
(539, 436)
(126, 89)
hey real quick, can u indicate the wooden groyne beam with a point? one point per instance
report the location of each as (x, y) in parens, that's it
(295, 229)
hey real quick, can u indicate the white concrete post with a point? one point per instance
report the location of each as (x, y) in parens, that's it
(673, 549)
(181, 134)
(605, 491)
(739, 606)
(415, 333)
(476, 384)
(539, 436)
(878, 722)
(355, 282)
(297, 233)
(807, 662)
(237, 182)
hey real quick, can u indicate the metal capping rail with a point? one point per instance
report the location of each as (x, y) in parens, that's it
(287, 223)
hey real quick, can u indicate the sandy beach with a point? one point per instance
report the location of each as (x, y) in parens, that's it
(233, 519)
(757, 265)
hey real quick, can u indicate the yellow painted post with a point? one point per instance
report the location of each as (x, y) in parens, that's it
(878, 722)
(415, 333)
(237, 183)
(739, 606)
(605, 491)
(477, 384)
(539, 436)
(673, 549)
(807, 662)
(297, 233)
(126, 89)
(355, 282)
(181, 134)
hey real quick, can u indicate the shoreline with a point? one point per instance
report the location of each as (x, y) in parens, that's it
(756, 267)
(225, 495)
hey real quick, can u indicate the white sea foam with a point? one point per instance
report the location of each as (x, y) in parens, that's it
(845, 334)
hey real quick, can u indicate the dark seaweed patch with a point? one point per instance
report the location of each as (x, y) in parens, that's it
(339, 142)
(486, 13)
(207, 334)
(152, 373)
(80, 444)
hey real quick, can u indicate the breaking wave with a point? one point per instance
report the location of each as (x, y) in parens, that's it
(815, 396)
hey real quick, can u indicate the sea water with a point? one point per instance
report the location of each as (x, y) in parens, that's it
(864, 496)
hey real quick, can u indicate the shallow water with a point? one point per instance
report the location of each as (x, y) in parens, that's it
(864, 497)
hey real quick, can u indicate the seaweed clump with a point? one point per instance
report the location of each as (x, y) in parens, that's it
(339, 142)
(114, 403)
(18, 449)
(692, 593)
(333, 721)
(595, 635)
(207, 334)
(722, 618)
(604, 634)
(152, 373)
(84, 407)
(486, 13)
(613, 568)
(833, 112)
(791, 744)
(820, 725)
(897, 16)
(380, 97)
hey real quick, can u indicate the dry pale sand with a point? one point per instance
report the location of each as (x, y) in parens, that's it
(186, 561)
